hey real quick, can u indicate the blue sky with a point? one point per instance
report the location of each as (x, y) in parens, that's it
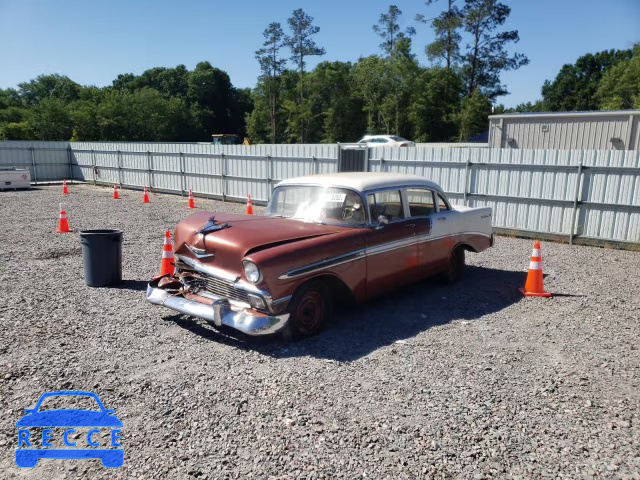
(93, 41)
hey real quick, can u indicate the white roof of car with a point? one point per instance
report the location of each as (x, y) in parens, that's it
(362, 181)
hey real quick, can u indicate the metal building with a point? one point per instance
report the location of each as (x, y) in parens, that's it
(608, 130)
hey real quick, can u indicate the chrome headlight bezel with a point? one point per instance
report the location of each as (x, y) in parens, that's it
(250, 271)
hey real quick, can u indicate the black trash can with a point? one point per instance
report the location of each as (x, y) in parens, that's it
(102, 256)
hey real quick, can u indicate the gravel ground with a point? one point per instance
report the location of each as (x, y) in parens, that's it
(437, 381)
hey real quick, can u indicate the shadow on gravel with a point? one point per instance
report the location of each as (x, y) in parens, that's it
(135, 285)
(358, 331)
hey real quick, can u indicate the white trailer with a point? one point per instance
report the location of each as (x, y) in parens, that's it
(12, 178)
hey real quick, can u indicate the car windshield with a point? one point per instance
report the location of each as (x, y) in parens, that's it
(334, 206)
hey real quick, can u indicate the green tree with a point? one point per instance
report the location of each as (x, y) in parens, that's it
(337, 108)
(575, 86)
(301, 45)
(272, 66)
(210, 95)
(486, 57)
(372, 86)
(620, 84)
(435, 105)
(473, 116)
(46, 86)
(52, 120)
(16, 131)
(388, 28)
(446, 26)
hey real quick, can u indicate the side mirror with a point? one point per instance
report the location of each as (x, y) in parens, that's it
(382, 221)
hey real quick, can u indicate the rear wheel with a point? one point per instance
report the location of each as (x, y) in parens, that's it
(309, 310)
(456, 265)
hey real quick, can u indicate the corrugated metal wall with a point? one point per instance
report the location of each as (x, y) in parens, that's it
(593, 194)
(45, 160)
(225, 171)
(574, 193)
(570, 131)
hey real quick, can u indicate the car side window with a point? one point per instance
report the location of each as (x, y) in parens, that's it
(420, 202)
(442, 205)
(387, 203)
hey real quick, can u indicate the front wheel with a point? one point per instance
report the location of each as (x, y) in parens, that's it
(456, 265)
(309, 310)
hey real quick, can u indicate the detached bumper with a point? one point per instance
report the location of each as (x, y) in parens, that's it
(219, 312)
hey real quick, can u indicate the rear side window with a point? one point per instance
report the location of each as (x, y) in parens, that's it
(387, 203)
(420, 202)
(442, 205)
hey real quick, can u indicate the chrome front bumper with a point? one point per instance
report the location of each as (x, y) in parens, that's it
(221, 312)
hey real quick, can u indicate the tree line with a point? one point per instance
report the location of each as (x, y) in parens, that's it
(162, 104)
(390, 92)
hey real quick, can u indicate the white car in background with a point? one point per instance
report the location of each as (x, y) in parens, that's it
(386, 141)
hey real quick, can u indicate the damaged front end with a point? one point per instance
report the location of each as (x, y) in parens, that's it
(216, 296)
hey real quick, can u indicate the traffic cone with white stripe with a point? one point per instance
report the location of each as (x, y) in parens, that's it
(192, 203)
(167, 265)
(145, 197)
(116, 196)
(249, 209)
(63, 223)
(65, 190)
(534, 285)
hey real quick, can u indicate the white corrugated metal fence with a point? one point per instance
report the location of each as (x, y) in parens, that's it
(574, 194)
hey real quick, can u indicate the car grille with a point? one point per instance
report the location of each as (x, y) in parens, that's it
(221, 288)
(216, 286)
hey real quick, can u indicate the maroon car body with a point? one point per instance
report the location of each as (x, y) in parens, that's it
(262, 274)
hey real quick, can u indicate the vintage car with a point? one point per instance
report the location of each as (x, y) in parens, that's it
(322, 239)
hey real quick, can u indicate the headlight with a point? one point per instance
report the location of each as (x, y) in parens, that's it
(251, 271)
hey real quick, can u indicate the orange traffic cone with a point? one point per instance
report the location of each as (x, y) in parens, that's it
(116, 196)
(249, 209)
(65, 190)
(63, 223)
(534, 286)
(192, 203)
(167, 265)
(145, 197)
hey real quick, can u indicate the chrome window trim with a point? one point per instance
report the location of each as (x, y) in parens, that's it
(386, 189)
(433, 197)
(446, 201)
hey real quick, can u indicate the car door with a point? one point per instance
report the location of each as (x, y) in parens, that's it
(433, 235)
(392, 252)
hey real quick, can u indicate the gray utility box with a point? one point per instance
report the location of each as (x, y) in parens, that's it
(12, 178)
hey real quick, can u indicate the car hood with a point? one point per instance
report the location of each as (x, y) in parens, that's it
(69, 418)
(245, 234)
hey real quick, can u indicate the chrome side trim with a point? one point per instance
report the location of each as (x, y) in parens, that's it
(366, 252)
(387, 247)
(322, 264)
